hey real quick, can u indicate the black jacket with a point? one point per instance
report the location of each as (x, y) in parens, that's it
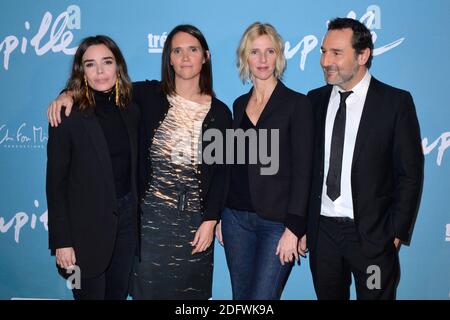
(283, 196)
(213, 178)
(80, 188)
(387, 167)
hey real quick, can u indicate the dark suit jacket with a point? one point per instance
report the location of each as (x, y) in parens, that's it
(387, 167)
(81, 193)
(213, 178)
(283, 196)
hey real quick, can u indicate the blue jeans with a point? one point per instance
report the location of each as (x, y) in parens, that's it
(250, 244)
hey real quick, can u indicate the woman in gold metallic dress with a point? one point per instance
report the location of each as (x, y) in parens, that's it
(181, 196)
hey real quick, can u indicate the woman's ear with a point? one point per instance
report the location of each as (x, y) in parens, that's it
(208, 56)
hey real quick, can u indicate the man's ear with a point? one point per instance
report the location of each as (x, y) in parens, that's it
(363, 56)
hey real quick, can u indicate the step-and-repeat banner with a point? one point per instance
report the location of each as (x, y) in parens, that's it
(37, 43)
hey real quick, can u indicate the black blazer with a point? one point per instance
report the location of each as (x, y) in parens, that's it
(283, 196)
(387, 167)
(81, 197)
(213, 178)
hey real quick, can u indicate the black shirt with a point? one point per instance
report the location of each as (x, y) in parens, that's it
(116, 135)
(239, 197)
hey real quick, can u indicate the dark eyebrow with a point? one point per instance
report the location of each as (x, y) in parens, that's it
(104, 58)
(332, 49)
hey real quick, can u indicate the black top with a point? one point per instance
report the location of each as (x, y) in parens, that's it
(282, 193)
(239, 197)
(111, 122)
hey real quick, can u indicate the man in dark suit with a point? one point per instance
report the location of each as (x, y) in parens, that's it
(368, 171)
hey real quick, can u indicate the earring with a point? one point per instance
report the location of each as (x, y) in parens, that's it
(117, 91)
(87, 89)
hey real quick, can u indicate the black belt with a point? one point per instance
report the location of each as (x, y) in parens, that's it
(338, 219)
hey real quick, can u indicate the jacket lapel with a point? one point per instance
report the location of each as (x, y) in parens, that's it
(321, 121)
(98, 139)
(274, 101)
(240, 109)
(367, 119)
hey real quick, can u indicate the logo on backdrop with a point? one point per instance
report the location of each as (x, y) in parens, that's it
(371, 18)
(21, 219)
(447, 232)
(23, 136)
(443, 141)
(156, 42)
(58, 39)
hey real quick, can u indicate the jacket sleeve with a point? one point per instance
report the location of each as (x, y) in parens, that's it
(220, 179)
(302, 145)
(408, 162)
(58, 166)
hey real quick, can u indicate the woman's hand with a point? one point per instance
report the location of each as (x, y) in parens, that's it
(65, 257)
(219, 233)
(287, 247)
(54, 109)
(204, 236)
(302, 246)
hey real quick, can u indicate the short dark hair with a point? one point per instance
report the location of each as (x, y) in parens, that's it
(167, 72)
(362, 38)
(76, 81)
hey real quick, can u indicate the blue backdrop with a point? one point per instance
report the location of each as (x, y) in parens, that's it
(38, 39)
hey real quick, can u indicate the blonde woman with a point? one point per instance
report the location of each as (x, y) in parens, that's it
(265, 215)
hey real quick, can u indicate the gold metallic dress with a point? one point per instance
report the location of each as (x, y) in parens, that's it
(172, 212)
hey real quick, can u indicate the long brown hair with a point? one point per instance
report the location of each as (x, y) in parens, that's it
(76, 83)
(167, 72)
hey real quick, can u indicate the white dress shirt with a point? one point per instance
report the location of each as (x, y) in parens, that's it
(343, 205)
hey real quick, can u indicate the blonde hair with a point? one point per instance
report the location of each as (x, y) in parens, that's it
(254, 31)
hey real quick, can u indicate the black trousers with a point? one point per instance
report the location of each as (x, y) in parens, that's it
(338, 255)
(113, 283)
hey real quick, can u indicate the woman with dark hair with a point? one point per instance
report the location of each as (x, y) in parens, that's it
(181, 195)
(181, 201)
(91, 175)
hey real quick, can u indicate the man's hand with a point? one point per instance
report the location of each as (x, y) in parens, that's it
(65, 257)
